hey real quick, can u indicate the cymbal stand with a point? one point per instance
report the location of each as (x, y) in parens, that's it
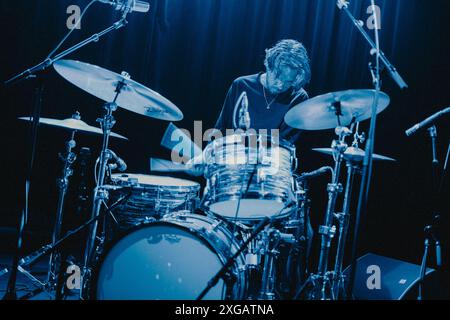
(322, 280)
(344, 223)
(32, 73)
(271, 239)
(68, 159)
(344, 219)
(100, 193)
(63, 184)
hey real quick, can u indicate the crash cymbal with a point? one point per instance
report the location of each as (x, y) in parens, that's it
(354, 154)
(73, 124)
(133, 96)
(319, 113)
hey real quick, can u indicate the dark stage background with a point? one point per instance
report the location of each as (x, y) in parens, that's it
(190, 51)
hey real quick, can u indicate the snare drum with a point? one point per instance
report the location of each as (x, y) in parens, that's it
(146, 197)
(171, 259)
(231, 162)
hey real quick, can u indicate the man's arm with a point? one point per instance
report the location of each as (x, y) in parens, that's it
(225, 120)
(286, 132)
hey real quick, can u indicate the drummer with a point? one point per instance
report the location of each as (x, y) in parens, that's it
(271, 93)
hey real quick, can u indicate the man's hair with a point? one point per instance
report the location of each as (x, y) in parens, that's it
(289, 53)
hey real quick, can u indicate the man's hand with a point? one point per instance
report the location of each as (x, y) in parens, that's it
(196, 166)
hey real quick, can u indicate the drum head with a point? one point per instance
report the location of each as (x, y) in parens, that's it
(249, 209)
(160, 261)
(143, 179)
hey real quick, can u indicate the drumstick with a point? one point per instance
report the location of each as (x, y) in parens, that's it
(177, 140)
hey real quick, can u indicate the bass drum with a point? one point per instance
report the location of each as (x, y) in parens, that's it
(171, 259)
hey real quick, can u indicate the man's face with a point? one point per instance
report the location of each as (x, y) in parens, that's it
(281, 79)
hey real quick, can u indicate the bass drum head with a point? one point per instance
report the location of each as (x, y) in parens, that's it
(159, 261)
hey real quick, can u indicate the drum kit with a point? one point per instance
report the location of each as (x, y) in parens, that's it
(247, 236)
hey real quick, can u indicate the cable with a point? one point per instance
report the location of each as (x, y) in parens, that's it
(242, 194)
(71, 30)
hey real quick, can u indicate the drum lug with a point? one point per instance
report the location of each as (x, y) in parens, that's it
(229, 279)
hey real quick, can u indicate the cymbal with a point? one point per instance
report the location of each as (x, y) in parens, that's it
(73, 124)
(319, 113)
(354, 154)
(102, 83)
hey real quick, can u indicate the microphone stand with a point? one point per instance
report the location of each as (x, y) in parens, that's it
(51, 248)
(32, 73)
(343, 5)
(430, 234)
(368, 158)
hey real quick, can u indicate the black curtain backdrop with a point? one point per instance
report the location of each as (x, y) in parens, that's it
(190, 51)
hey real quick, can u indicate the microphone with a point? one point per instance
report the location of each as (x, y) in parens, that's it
(119, 165)
(244, 115)
(129, 5)
(427, 122)
(315, 173)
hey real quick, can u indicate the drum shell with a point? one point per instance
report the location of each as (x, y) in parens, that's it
(213, 233)
(145, 202)
(232, 161)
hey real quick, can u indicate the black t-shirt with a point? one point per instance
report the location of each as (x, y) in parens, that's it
(260, 116)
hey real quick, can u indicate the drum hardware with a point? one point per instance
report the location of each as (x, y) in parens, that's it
(100, 195)
(83, 195)
(343, 219)
(272, 239)
(322, 281)
(225, 269)
(74, 125)
(28, 74)
(353, 166)
(377, 97)
(36, 256)
(117, 91)
(63, 183)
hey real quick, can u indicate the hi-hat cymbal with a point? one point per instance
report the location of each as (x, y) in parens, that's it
(133, 96)
(73, 124)
(354, 154)
(319, 113)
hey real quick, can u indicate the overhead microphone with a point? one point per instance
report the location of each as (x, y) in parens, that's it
(128, 5)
